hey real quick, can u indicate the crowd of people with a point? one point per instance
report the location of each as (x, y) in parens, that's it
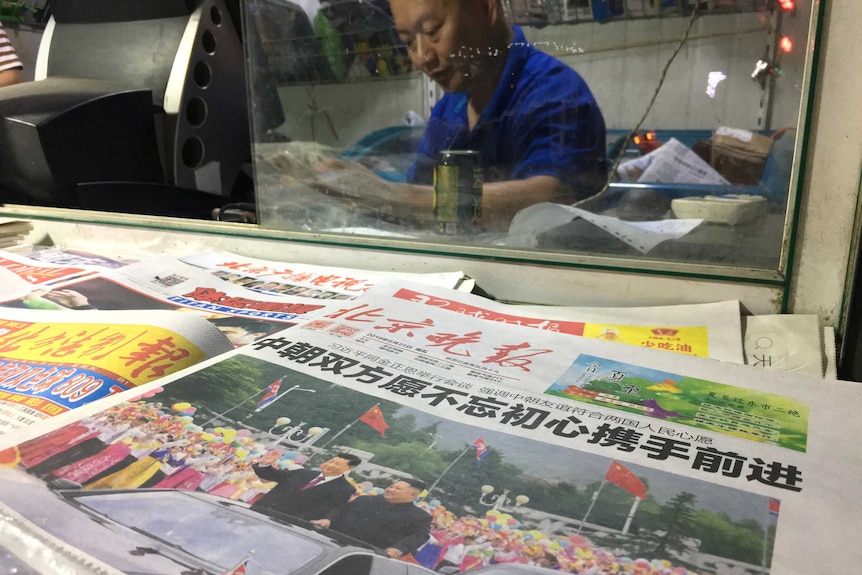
(470, 543)
(144, 444)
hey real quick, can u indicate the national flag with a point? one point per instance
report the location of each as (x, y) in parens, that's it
(481, 450)
(374, 419)
(623, 477)
(270, 394)
(774, 507)
(239, 569)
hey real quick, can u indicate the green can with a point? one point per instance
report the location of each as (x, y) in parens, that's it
(457, 191)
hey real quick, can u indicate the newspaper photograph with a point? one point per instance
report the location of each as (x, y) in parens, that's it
(399, 438)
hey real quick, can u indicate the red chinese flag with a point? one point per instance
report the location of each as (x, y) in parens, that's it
(239, 569)
(774, 507)
(374, 418)
(622, 477)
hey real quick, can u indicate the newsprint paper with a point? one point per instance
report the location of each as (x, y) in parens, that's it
(390, 436)
(54, 361)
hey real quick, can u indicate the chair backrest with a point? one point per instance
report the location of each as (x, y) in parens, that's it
(136, 44)
(187, 53)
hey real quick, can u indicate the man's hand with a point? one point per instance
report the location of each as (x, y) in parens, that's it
(393, 552)
(399, 202)
(67, 298)
(321, 523)
(269, 458)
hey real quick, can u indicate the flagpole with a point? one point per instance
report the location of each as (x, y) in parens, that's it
(445, 471)
(223, 413)
(346, 427)
(631, 515)
(590, 508)
(765, 540)
(280, 395)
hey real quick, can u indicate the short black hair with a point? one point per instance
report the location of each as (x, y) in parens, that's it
(415, 483)
(248, 324)
(351, 459)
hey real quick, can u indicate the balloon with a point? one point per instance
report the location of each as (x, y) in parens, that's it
(243, 433)
(241, 453)
(300, 459)
(366, 485)
(219, 430)
(181, 406)
(207, 436)
(434, 503)
(189, 410)
(187, 419)
(290, 454)
(189, 426)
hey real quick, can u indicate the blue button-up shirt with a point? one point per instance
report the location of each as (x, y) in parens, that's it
(542, 120)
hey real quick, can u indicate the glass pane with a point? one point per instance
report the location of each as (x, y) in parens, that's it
(640, 130)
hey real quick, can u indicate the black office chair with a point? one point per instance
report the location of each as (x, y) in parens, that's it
(148, 98)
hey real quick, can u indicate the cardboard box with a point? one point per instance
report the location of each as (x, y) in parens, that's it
(739, 155)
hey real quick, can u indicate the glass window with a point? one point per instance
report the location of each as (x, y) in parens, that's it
(636, 130)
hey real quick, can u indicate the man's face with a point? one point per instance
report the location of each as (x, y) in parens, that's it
(335, 466)
(238, 335)
(446, 39)
(400, 492)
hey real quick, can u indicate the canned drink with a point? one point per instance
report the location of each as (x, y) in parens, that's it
(457, 191)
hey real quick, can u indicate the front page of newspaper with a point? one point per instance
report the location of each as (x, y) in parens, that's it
(307, 280)
(439, 442)
(54, 361)
(166, 283)
(705, 330)
(246, 298)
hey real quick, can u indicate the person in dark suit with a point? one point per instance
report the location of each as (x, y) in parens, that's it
(391, 521)
(305, 493)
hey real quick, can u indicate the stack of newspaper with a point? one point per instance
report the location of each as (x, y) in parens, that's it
(524, 448)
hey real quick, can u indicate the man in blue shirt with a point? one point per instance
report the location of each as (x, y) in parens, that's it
(537, 127)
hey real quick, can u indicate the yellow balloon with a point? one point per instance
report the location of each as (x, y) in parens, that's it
(241, 453)
(181, 406)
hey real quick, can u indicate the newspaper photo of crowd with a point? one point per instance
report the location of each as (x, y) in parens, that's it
(445, 517)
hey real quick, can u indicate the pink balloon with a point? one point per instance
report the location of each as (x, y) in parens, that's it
(243, 433)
